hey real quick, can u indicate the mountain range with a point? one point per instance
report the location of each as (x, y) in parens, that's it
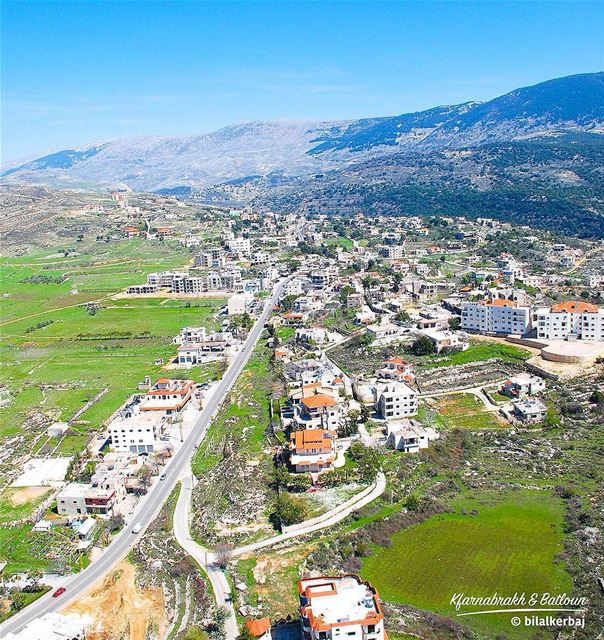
(451, 148)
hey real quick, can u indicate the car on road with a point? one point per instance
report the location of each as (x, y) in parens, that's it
(58, 592)
(137, 528)
(163, 476)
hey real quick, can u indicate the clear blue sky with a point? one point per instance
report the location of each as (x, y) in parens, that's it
(80, 72)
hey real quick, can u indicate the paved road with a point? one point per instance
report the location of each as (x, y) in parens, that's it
(150, 506)
(222, 590)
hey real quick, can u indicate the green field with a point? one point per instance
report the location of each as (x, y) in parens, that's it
(509, 546)
(476, 352)
(56, 355)
(465, 411)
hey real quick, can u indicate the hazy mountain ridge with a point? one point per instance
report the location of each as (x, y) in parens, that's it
(293, 149)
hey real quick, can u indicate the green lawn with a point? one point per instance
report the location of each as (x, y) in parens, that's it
(478, 351)
(465, 411)
(510, 546)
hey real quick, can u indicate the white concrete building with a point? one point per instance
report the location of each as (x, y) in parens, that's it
(571, 321)
(395, 400)
(338, 608)
(408, 435)
(499, 316)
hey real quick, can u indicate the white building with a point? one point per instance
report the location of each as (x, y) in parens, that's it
(334, 608)
(240, 246)
(190, 334)
(571, 320)
(445, 340)
(522, 385)
(237, 305)
(408, 435)
(530, 410)
(395, 400)
(499, 316)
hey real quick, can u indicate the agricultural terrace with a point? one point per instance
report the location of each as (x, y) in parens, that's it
(505, 543)
(60, 350)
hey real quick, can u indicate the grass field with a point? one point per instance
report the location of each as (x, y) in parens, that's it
(56, 356)
(509, 546)
(476, 352)
(465, 411)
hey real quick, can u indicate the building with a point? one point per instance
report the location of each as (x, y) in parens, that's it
(340, 607)
(498, 316)
(210, 258)
(523, 385)
(259, 628)
(312, 450)
(571, 320)
(408, 435)
(98, 497)
(396, 369)
(190, 334)
(395, 400)
(445, 340)
(240, 246)
(530, 410)
(190, 353)
(311, 335)
(168, 395)
(317, 411)
(237, 305)
(383, 331)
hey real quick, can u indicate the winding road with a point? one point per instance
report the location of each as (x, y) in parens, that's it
(151, 504)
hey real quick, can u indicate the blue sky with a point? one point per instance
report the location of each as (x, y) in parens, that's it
(74, 73)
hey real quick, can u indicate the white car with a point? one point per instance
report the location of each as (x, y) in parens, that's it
(137, 527)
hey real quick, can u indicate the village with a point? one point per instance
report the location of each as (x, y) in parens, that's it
(389, 335)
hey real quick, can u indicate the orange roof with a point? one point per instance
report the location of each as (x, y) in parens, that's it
(318, 400)
(499, 302)
(258, 627)
(315, 438)
(574, 306)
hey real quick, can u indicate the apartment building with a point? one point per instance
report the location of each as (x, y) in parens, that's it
(498, 316)
(334, 608)
(240, 246)
(312, 450)
(213, 258)
(572, 320)
(97, 497)
(395, 400)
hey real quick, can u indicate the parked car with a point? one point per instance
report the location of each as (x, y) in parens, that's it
(58, 592)
(137, 528)
(163, 476)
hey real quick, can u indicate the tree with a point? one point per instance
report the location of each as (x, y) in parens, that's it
(423, 346)
(367, 459)
(350, 425)
(454, 323)
(224, 553)
(402, 316)
(287, 510)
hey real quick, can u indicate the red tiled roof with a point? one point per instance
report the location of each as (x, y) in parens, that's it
(318, 400)
(258, 628)
(575, 306)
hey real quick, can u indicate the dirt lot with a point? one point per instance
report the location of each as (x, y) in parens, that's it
(120, 610)
(27, 494)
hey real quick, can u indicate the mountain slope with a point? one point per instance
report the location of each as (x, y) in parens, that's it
(286, 149)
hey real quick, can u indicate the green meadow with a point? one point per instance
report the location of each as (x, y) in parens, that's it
(57, 354)
(491, 543)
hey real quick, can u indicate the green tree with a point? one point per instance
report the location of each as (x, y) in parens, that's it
(423, 346)
(287, 510)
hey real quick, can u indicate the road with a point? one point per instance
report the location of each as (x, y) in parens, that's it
(150, 506)
(220, 585)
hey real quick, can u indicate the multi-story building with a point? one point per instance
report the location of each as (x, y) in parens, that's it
(168, 395)
(190, 334)
(395, 400)
(240, 246)
(318, 411)
(210, 258)
(498, 316)
(312, 450)
(99, 496)
(396, 369)
(334, 608)
(570, 320)
(408, 435)
(190, 353)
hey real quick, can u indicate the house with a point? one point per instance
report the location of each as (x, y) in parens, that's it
(312, 450)
(168, 395)
(259, 628)
(333, 608)
(523, 385)
(191, 353)
(530, 410)
(395, 400)
(97, 497)
(396, 369)
(445, 340)
(383, 331)
(311, 335)
(131, 232)
(303, 372)
(317, 411)
(190, 334)
(408, 435)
